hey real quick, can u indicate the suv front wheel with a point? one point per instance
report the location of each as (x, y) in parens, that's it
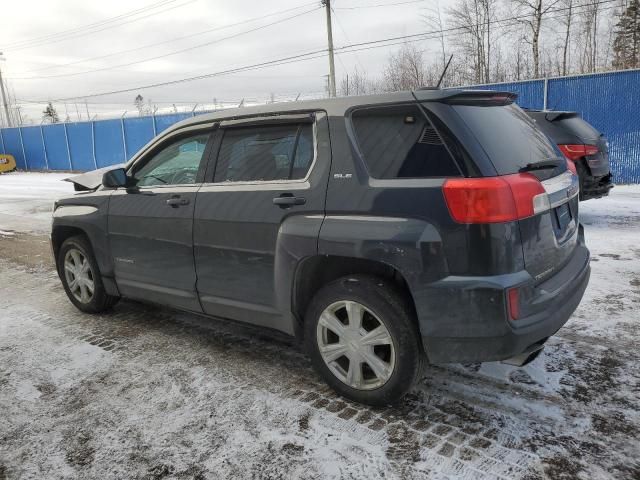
(362, 338)
(81, 277)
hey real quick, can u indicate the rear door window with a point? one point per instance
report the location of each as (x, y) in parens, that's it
(265, 153)
(508, 136)
(400, 142)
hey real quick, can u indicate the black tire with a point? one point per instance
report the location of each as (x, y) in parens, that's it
(392, 308)
(100, 301)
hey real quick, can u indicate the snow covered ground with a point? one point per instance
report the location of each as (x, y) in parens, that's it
(148, 393)
(26, 199)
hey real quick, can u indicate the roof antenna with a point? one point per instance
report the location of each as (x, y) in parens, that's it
(446, 67)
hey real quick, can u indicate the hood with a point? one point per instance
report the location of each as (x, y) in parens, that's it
(91, 180)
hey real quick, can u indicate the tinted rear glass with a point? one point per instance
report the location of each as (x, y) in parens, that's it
(508, 136)
(400, 142)
(578, 127)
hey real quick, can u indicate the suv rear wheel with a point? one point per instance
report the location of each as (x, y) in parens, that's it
(362, 338)
(81, 277)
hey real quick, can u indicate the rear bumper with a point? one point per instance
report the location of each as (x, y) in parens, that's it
(472, 322)
(596, 187)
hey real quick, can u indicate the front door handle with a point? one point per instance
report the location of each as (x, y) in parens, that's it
(287, 200)
(177, 201)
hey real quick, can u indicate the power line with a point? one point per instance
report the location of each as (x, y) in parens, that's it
(149, 45)
(164, 55)
(304, 57)
(379, 5)
(55, 38)
(279, 61)
(88, 26)
(346, 36)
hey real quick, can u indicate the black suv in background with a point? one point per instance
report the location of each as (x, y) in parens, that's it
(583, 145)
(376, 229)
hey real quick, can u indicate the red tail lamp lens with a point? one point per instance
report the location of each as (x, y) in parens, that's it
(572, 166)
(576, 152)
(492, 199)
(590, 149)
(513, 299)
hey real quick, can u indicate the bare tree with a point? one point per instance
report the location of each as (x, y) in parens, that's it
(565, 21)
(433, 20)
(473, 19)
(405, 69)
(531, 13)
(355, 83)
(589, 20)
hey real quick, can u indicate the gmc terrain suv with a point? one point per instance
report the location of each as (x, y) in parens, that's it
(376, 229)
(585, 147)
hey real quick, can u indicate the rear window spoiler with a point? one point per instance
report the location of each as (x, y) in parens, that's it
(467, 97)
(553, 116)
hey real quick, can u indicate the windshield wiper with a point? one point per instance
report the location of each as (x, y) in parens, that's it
(544, 165)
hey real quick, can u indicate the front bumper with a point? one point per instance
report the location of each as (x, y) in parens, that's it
(471, 321)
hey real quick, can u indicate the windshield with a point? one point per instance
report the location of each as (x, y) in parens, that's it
(508, 136)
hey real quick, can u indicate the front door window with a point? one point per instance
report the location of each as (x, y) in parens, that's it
(175, 164)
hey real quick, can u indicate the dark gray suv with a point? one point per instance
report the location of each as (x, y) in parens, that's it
(380, 230)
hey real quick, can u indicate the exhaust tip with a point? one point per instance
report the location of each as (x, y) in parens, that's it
(524, 358)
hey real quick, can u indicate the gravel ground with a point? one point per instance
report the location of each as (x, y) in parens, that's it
(144, 392)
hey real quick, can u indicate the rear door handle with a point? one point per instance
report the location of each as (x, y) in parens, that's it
(177, 201)
(287, 199)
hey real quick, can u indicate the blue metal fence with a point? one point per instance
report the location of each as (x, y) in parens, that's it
(609, 101)
(83, 145)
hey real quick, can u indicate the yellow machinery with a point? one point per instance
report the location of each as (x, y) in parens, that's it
(7, 163)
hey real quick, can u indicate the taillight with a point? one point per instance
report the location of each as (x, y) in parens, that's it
(572, 166)
(495, 199)
(513, 302)
(576, 152)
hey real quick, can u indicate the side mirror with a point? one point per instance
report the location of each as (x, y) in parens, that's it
(115, 178)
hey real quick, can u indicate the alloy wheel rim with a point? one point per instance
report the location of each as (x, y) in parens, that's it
(79, 275)
(355, 345)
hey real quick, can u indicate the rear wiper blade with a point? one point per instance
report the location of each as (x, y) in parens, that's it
(544, 165)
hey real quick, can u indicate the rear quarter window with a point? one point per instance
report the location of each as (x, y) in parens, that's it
(400, 142)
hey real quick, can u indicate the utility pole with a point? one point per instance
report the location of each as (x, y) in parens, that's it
(4, 96)
(332, 68)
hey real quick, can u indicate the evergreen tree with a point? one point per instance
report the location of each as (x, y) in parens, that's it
(139, 103)
(50, 114)
(626, 46)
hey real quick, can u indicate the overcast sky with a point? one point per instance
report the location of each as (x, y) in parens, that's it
(27, 54)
